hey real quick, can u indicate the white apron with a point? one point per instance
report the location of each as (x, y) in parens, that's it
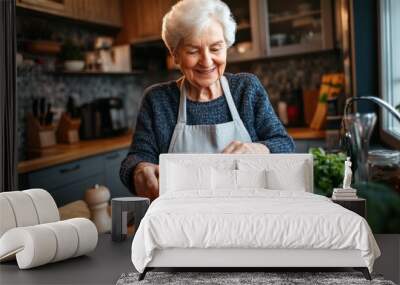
(207, 138)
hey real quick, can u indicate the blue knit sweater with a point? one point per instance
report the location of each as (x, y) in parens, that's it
(159, 111)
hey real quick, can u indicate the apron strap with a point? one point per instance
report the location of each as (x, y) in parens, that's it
(228, 96)
(229, 99)
(182, 102)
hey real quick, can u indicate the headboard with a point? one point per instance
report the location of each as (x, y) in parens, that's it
(283, 164)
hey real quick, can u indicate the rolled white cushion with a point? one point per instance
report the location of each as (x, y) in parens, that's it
(87, 235)
(33, 246)
(45, 243)
(45, 205)
(23, 208)
(66, 238)
(7, 218)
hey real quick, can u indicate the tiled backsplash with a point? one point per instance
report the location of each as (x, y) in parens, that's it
(296, 72)
(35, 82)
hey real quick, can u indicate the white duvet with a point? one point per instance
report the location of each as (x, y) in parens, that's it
(253, 218)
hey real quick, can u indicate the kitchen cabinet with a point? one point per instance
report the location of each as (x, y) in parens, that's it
(112, 163)
(103, 12)
(298, 26)
(96, 11)
(142, 20)
(56, 7)
(68, 182)
(248, 18)
(265, 28)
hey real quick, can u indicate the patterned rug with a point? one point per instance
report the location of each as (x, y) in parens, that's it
(242, 278)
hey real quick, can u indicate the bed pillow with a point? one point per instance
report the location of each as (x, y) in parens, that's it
(293, 179)
(251, 178)
(224, 179)
(183, 177)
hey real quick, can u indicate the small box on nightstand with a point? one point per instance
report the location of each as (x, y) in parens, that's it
(357, 205)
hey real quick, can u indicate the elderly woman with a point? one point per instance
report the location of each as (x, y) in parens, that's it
(207, 110)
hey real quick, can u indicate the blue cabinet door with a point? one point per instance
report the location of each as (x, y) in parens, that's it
(68, 182)
(64, 174)
(74, 191)
(112, 163)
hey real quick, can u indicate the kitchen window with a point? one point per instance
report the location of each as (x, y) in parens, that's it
(390, 66)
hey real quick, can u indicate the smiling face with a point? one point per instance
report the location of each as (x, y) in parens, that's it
(202, 58)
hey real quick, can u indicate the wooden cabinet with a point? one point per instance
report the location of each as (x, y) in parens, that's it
(357, 206)
(55, 7)
(248, 17)
(142, 20)
(97, 11)
(268, 28)
(106, 12)
(296, 26)
(68, 182)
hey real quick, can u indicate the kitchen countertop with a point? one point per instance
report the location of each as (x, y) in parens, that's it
(306, 134)
(63, 153)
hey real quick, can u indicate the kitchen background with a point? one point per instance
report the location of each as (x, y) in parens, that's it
(82, 67)
(39, 75)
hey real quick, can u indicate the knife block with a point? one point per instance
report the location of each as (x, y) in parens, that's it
(40, 136)
(68, 129)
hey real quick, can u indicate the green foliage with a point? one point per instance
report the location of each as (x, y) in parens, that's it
(328, 171)
(323, 98)
(398, 107)
(70, 51)
(383, 207)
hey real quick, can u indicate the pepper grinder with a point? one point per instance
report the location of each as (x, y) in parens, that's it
(97, 199)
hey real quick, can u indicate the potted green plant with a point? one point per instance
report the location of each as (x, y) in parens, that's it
(328, 171)
(72, 56)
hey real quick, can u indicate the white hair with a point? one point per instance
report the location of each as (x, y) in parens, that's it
(189, 17)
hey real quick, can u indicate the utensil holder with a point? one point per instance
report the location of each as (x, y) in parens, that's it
(40, 136)
(68, 129)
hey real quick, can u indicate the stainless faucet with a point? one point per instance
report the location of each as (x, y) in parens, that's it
(376, 100)
(357, 132)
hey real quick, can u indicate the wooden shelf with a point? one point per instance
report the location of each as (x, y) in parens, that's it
(96, 73)
(293, 17)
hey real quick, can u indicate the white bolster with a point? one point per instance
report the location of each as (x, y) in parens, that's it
(45, 243)
(87, 235)
(23, 208)
(66, 238)
(33, 246)
(45, 205)
(7, 218)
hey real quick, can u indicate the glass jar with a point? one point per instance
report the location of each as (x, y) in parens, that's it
(384, 166)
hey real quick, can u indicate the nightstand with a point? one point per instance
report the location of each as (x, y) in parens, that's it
(356, 205)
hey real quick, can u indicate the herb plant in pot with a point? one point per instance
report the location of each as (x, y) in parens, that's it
(328, 171)
(72, 56)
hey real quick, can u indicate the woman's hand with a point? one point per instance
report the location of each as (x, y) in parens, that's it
(145, 178)
(241, 147)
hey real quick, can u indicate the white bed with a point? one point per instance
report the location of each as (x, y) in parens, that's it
(247, 211)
